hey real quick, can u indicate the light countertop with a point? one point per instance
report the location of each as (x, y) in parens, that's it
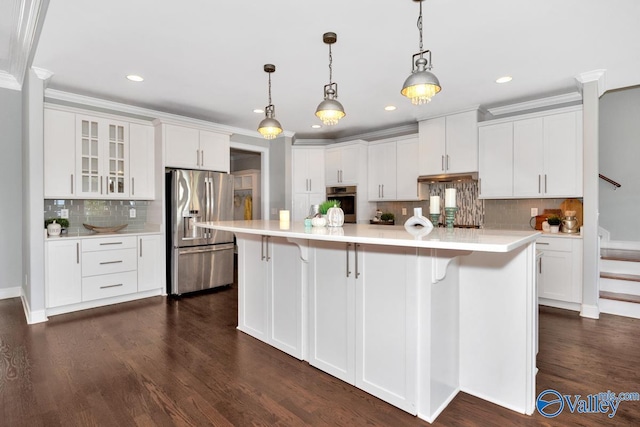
(87, 234)
(482, 240)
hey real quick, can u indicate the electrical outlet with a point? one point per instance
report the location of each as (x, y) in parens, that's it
(534, 212)
(132, 213)
(64, 213)
(404, 211)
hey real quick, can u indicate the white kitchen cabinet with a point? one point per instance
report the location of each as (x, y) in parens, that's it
(308, 169)
(546, 152)
(102, 157)
(449, 144)
(407, 161)
(63, 272)
(495, 160)
(560, 271)
(97, 156)
(192, 148)
(270, 297)
(361, 300)
(59, 154)
(382, 171)
(308, 180)
(346, 164)
(141, 162)
(150, 262)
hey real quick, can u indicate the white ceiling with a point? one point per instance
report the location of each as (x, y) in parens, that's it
(204, 59)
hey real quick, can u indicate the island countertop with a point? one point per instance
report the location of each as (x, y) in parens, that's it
(480, 240)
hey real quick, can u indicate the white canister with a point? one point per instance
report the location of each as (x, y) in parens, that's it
(54, 229)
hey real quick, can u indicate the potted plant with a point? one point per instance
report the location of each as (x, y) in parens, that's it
(64, 223)
(554, 223)
(388, 218)
(328, 204)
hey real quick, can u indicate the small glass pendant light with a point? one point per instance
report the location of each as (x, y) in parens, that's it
(269, 127)
(330, 110)
(422, 84)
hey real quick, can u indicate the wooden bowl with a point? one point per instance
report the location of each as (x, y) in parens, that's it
(112, 229)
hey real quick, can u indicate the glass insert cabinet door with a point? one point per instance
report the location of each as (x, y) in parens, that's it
(102, 156)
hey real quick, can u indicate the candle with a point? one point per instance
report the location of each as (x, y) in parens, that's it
(434, 204)
(450, 198)
(284, 216)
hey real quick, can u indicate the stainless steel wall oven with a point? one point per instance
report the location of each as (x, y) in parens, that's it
(348, 198)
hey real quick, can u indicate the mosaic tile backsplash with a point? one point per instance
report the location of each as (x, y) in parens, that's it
(102, 213)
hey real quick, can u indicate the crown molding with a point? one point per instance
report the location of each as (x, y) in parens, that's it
(593, 76)
(383, 133)
(26, 15)
(536, 103)
(317, 142)
(482, 110)
(163, 117)
(7, 81)
(42, 73)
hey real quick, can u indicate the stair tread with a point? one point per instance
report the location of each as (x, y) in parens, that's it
(619, 276)
(620, 297)
(620, 254)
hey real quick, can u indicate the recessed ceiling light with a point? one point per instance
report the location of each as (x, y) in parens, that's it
(258, 111)
(316, 126)
(504, 79)
(390, 108)
(135, 78)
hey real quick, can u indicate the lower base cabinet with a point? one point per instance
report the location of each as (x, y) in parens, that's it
(362, 326)
(63, 272)
(560, 271)
(270, 291)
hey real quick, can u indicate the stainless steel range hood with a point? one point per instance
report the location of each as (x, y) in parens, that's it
(455, 177)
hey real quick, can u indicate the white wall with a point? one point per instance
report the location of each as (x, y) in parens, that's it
(11, 193)
(619, 160)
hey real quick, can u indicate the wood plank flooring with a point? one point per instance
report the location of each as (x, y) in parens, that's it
(164, 362)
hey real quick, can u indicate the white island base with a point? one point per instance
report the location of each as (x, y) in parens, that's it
(411, 320)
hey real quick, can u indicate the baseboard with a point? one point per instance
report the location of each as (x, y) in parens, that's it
(620, 308)
(33, 316)
(7, 293)
(573, 306)
(590, 311)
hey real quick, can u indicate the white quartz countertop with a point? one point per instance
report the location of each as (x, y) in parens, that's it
(87, 234)
(482, 240)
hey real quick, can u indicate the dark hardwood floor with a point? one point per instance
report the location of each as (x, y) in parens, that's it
(182, 362)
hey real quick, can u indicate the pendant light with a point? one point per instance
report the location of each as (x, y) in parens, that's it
(269, 127)
(330, 110)
(422, 84)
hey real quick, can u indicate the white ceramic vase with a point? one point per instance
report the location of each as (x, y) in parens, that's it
(318, 221)
(335, 217)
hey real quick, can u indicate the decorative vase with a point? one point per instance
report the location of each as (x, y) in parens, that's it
(335, 217)
(318, 221)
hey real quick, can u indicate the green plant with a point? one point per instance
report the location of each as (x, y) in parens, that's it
(553, 220)
(328, 204)
(387, 217)
(64, 223)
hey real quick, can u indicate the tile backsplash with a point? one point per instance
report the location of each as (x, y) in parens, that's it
(98, 212)
(515, 214)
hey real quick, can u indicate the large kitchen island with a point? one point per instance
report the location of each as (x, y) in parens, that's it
(410, 317)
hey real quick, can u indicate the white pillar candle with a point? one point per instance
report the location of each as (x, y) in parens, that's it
(450, 198)
(434, 204)
(284, 216)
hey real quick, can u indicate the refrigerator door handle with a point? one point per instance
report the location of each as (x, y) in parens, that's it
(213, 248)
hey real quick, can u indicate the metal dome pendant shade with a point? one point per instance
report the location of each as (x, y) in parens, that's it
(422, 84)
(269, 127)
(330, 111)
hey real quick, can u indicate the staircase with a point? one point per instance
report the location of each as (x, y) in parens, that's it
(620, 281)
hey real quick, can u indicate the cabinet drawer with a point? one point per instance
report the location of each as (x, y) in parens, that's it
(554, 244)
(107, 262)
(108, 243)
(109, 285)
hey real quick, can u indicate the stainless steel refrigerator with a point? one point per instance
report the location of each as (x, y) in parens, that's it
(198, 258)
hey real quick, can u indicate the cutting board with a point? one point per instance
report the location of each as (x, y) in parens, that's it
(573, 205)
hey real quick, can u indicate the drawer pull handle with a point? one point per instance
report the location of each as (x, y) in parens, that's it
(541, 243)
(110, 286)
(110, 262)
(111, 243)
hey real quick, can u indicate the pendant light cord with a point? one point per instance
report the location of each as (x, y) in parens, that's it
(269, 88)
(420, 27)
(330, 65)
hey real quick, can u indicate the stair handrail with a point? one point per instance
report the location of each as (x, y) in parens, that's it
(615, 184)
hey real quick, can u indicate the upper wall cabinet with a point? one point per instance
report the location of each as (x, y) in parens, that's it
(96, 156)
(449, 144)
(193, 148)
(393, 169)
(346, 164)
(537, 155)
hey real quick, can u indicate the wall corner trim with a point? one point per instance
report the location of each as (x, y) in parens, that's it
(33, 316)
(591, 76)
